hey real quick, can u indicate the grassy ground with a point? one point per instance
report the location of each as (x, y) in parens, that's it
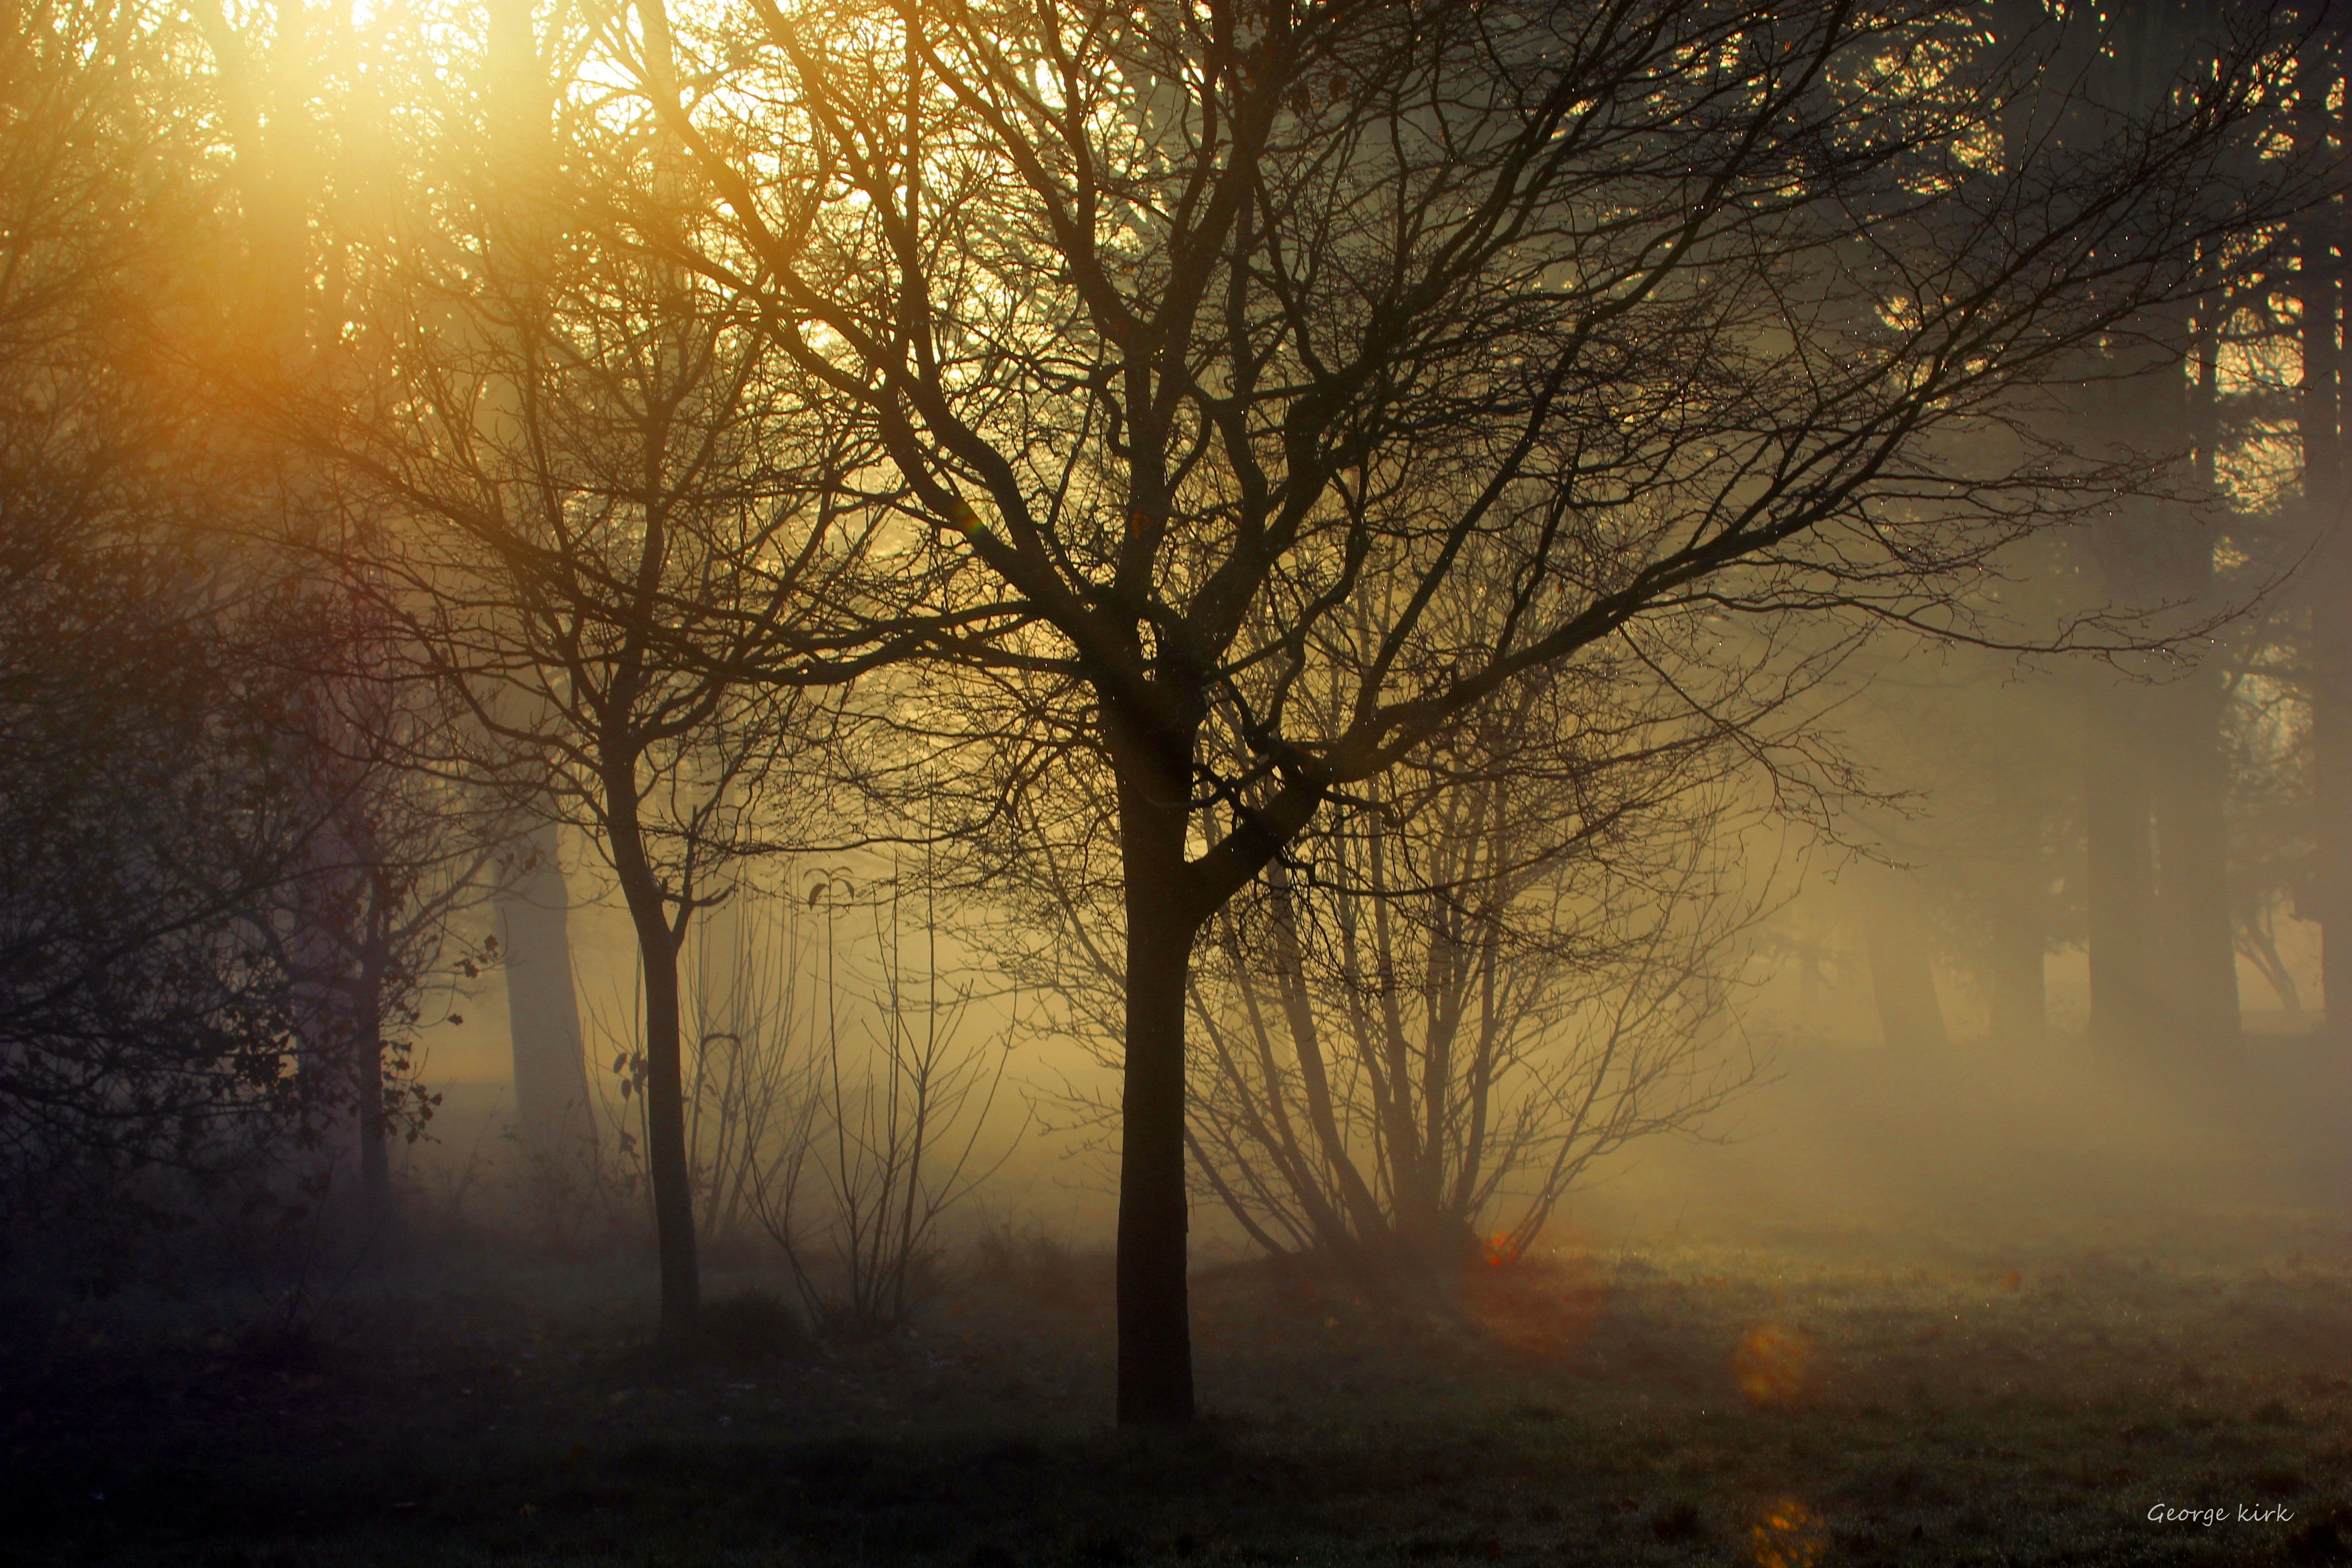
(1844, 1397)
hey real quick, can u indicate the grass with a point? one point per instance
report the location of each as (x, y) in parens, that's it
(1845, 1398)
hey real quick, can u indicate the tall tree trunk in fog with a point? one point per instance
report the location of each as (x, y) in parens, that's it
(289, 335)
(2196, 979)
(2163, 957)
(2014, 962)
(2328, 573)
(627, 504)
(550, 1070)
(1902, 971)
(2120, 870)
(551, 1075)
(374, 1129)
(1902, 984)
(2198, 943)
(2195, 982)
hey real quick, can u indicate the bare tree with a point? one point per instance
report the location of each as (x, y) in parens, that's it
(1215, 340)
(1471, 977)
(1472, 1034)
(754, 1004)
(153, 718)
(591, 499)
(886, 1133)
(398, 855)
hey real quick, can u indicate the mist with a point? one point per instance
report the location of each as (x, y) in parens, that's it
(1257, 782)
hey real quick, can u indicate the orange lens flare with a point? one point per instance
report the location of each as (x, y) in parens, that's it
(1790, 1535)
(1774, 1364)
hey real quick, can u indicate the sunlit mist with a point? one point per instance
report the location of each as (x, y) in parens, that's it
(1149, 783)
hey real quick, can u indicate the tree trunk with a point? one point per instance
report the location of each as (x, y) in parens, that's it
(2327, 898)
(1902, 979)
(551, 1072)
(2017, 991)
(1155, 1343)
(665, 1159)
(2197, 978)
(666, 1156)
(2120, 882)
(375, 1171)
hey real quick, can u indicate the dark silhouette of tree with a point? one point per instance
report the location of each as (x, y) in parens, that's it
(1462, 985)
(169, 786)
(2322, 667)
(1426, 1039)
(398, 854)
(1217, 342)
(593, 492)
(2162, 962)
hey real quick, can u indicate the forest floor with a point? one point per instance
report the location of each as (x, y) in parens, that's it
(1843, 1395)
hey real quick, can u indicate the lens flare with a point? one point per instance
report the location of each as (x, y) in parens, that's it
(1788, 1536)
(1774, 1363)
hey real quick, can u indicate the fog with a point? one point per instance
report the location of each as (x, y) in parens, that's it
(1240, 781)
(1843, 1140)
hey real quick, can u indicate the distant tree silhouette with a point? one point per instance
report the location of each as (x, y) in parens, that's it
(171, 994)
(589, 492)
